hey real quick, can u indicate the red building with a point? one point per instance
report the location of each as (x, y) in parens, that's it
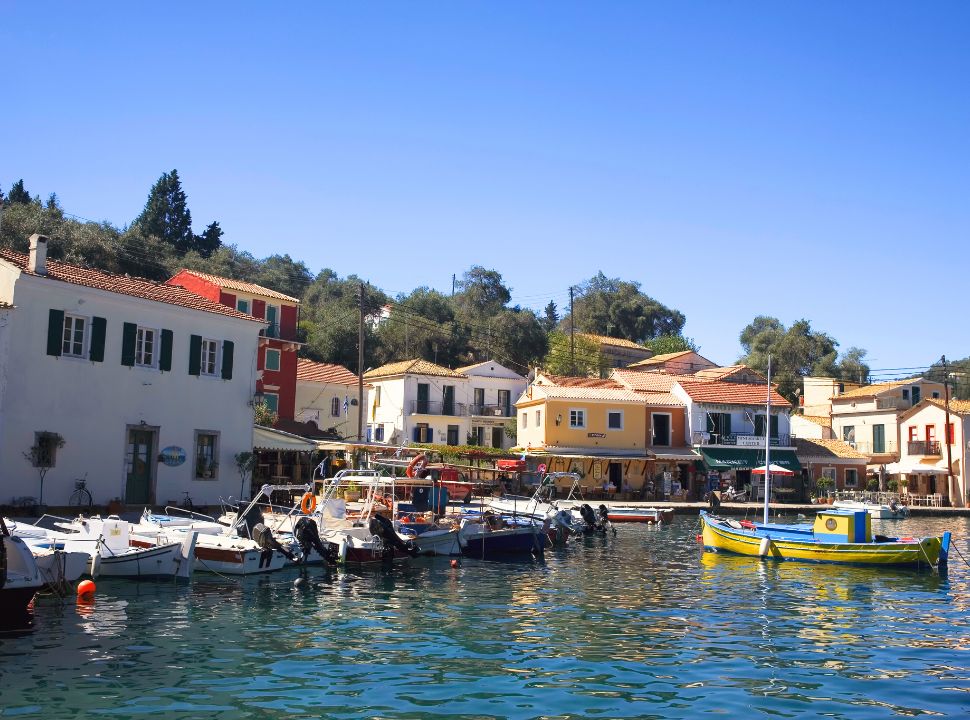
(276, 356)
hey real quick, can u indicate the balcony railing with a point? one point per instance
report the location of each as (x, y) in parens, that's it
(436, 407)
(868, 448)
(491, 410)
(924, 447)
(892, 403)
(740, 439)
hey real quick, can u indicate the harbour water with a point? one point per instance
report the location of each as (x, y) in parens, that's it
(641, 625)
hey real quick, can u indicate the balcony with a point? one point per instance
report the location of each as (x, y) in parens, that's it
(491, 410)
(892, 403)
(867, 448)
(923, 447)
(740, 439)
(435, 407)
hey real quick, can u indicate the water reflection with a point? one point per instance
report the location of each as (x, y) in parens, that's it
(643, 625)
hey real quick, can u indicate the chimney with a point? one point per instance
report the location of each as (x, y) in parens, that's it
(38, 254)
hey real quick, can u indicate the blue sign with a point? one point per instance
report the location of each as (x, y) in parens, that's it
(172, 456)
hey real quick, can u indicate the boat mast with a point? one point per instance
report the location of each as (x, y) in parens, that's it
(768, 443)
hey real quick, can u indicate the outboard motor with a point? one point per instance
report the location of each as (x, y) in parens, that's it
(264, 538)
(383, 528)
(560, 527)
(589, 518)
(603, 515)
(249, 520)
(306, 534)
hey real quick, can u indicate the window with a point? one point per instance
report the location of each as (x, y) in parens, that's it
(916, 394)
(949, 434)
(210, 349)
(145, 340)
(851, 477)
(538, 418)
(44, 452)
(379, 433)
(879, 438)
(718, 425)
(661, 428)
(272, 402)
(423, 433)
(377, 396)
(505, 402)
(335, 407)
(848, 433)
(936, 395)
(912, 433)
(206, 454)
(525, 420)
(452, 438)
(242, 306)
(905, 394)
(930, 434)
(73, 344)
(478, 435)
(479, 398)
(272, 359)
(759, 426)
(614, 419)
(829, 473)
(577, 418)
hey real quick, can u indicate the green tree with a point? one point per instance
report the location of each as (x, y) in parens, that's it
(513, 337)
(617, 308)
(18, 194)
(560, 359)
(852, 365)
(166, 214)
(957, 374)
(671, 344)
(481, 293)
(285, 275)
(209, 241)
(424, 325)
(550, 317)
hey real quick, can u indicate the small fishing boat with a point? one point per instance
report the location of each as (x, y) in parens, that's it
(836, 536)
(652, 515)
(891, 510)
(110, 545)
(59, 567)
(489, 537)
(20, 577)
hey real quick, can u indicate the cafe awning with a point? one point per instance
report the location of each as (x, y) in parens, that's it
(722, 459)
(265, 438)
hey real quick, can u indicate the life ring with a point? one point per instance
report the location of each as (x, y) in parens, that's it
(309, 503)
(416, 465)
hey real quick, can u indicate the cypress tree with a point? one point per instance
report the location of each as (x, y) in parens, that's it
(166, 214)
(18, 194)
(210, 240)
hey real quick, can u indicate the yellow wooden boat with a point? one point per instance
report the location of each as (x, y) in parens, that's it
(836, 536)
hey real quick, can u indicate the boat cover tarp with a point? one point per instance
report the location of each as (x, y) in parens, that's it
(747, 458)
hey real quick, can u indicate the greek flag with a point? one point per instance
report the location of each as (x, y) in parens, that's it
(346, 404)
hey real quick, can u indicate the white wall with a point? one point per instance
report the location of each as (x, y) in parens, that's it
(492, 378)
(314, 402)
(91, 404)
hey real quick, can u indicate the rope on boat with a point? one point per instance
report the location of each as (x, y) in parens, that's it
(956, 547)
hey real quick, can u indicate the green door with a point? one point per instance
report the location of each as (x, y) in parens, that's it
(879, 438)
(138, 488)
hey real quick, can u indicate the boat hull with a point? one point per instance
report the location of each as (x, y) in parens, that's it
(719, 537)
(641, 515)
(514, 541)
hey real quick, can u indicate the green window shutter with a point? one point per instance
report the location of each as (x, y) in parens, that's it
(128, 344)
(759, 425)
(195, 355)
(55, 332)
(227, 348)
(165, 355)
(774, 426)
(726, 423)
(99, 329)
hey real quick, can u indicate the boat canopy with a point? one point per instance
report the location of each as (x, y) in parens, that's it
(747, 458)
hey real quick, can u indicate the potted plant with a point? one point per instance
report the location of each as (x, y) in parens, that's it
(352, 492)
(42, 455)
(822, 486)
(205, 468)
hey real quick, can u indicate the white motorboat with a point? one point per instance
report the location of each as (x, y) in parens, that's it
(881, 511)
(652, 515)
(20, 578)
(542, 503)
(58, 567)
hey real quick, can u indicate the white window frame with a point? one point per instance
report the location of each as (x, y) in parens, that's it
(276, 402)
(209, 346)
(577, 418)
(538, 418)
(215, 454)
(845, 474)
(622, 420)
(140, 334)
(244, 306)
(279, 359)
(72, 319)
(525, 420)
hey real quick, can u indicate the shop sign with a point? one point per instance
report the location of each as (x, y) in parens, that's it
(596, 435)
(172, 456)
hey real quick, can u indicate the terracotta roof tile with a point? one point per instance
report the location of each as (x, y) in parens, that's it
(310, 371)
(730, 393)
(618, 342)
(875, 389)
(589, 393)
(823, 420)
(644, 381)
(957, 407)
(577, 381)
(412, 367)
(126, 285)
(827, 448)
(722, 373)
(240, 286)
(660, 359)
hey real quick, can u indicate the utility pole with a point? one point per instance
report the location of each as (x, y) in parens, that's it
(572, 335)
(946, 431)
(453, 278)
(360, 365)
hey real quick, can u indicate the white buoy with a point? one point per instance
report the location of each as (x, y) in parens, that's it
(299, 581)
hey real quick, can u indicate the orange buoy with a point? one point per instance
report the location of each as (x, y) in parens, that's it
(309, 503)
(700, 538)
(454, 563)
(85, 590)
(416, 466)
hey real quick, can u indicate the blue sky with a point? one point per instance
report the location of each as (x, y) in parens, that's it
(792, 159)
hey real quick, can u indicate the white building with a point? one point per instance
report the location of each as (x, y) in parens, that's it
(418, 401)
(490, 393)
(326, 395)
(148, 385)
(932, 455)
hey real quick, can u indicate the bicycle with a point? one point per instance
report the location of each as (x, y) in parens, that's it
(81, 496)
(187, 503)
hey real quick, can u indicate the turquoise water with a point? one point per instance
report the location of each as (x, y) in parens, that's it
(643, 625)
